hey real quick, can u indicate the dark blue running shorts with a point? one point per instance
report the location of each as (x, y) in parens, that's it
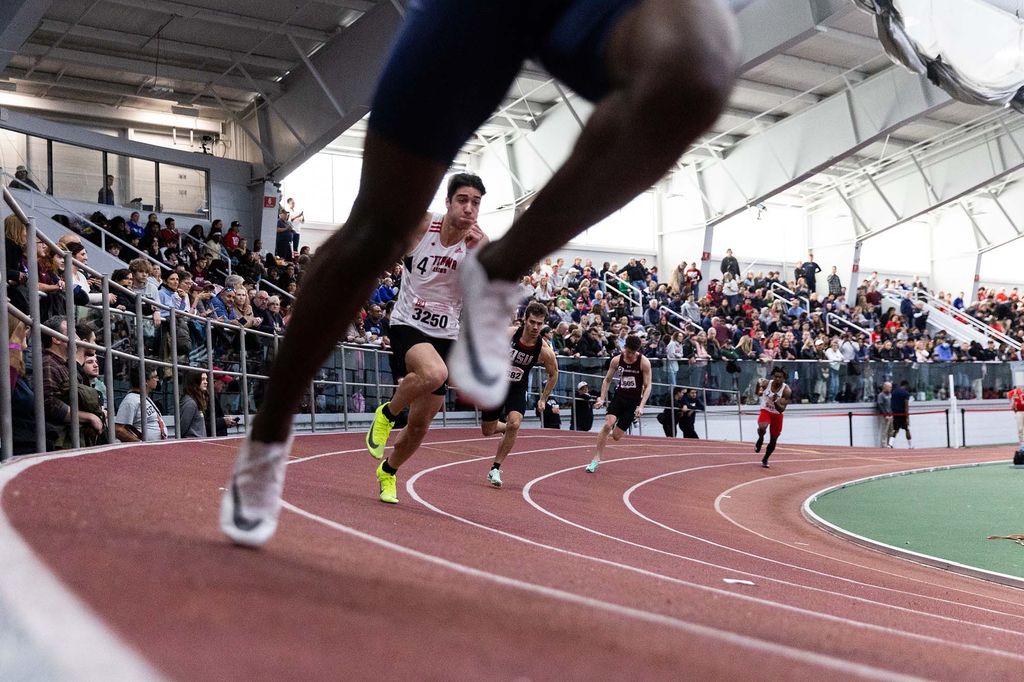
(454, 60)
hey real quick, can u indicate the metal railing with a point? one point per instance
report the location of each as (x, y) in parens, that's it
(103, 232)
(934, 302)
(833, 319)
(779, 286)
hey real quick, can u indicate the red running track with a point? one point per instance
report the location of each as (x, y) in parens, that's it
(558, 575)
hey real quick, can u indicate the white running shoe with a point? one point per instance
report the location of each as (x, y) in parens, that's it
(252, 496)
(494, 476)
(479, 362)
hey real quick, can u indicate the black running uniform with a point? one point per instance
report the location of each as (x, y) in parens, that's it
(523, 360)
(628, 392)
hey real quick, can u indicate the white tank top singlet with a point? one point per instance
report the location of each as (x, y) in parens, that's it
(768, 398)
(430, 298)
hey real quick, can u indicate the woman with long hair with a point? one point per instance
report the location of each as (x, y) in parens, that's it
(193, 405)
(16, 244)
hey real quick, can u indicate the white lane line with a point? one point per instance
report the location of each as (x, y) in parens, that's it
(744, 641)
(627, 500)
(75, 638)
(59, 624)
(410, 487)
(729, 493)
(931, 560)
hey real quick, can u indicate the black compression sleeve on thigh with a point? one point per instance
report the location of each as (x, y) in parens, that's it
(771, 447)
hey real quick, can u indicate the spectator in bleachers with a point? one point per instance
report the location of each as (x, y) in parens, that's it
(90, 397)
(223, 305)
(106, 193)
(22, 180)
(16, 265)
(221, 420)
(56, 378)
(194, 397)
(285, 236)
(809, 271)
(276, 313)
(23, 416)
(835, 285)
(134, 225)
(128, 421)
(168, 235)
(634, 273)
(693, 279)
(214, 246)
(730, 265)
(231, 240)
(142, 282)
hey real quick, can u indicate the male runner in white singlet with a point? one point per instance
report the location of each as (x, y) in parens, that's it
(424, 323)
(774, 396)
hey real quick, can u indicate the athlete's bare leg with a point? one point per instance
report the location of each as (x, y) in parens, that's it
(672, 66)
(492, 428)
(343, 273)
(421, 413)
(609, 429)
(426, 371)
(512, 424)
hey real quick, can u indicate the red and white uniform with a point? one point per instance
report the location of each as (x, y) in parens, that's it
(430, 299)
(1016, 397)
(769, 413)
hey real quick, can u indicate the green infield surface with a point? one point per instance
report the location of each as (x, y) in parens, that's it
(947, 514)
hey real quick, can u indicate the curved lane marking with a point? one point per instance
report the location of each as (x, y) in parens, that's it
(410, 487)
(727, 494)
(929, 559)
(627, 500)
(744, 641)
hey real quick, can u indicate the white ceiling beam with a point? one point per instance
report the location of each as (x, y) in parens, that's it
(867, 42)
(169, 47)
(108, 88)
(828, 70)
(779, 91)
(185, 11)
(358, 5)
(144, 67)
(120, 116)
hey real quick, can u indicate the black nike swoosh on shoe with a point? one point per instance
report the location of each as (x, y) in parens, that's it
(240, 521)
(369, 439)
(474, 361)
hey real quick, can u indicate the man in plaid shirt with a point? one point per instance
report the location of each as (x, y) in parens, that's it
(55, 381)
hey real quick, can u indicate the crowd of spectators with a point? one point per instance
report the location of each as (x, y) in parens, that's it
(697, 331)
(202, 274)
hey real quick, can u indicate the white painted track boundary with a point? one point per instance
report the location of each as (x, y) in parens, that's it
(910, 555)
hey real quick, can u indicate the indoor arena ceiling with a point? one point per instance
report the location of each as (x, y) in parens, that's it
(96, 61)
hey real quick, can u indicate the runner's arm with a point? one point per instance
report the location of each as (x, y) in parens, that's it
(612, 367)
(645, 370)
(550, 362)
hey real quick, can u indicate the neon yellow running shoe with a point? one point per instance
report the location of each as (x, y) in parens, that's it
(388, 485)
(377, 436)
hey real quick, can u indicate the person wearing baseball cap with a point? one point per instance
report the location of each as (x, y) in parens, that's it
(22, 180)
(583, 408)
(221, 421)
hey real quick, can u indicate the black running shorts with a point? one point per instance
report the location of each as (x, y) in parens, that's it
(403, 338)
(515, 401)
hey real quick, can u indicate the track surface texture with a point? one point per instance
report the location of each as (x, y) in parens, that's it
(628, 573)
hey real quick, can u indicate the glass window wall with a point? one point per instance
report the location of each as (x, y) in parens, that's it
(78, 174)
(183, 190)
